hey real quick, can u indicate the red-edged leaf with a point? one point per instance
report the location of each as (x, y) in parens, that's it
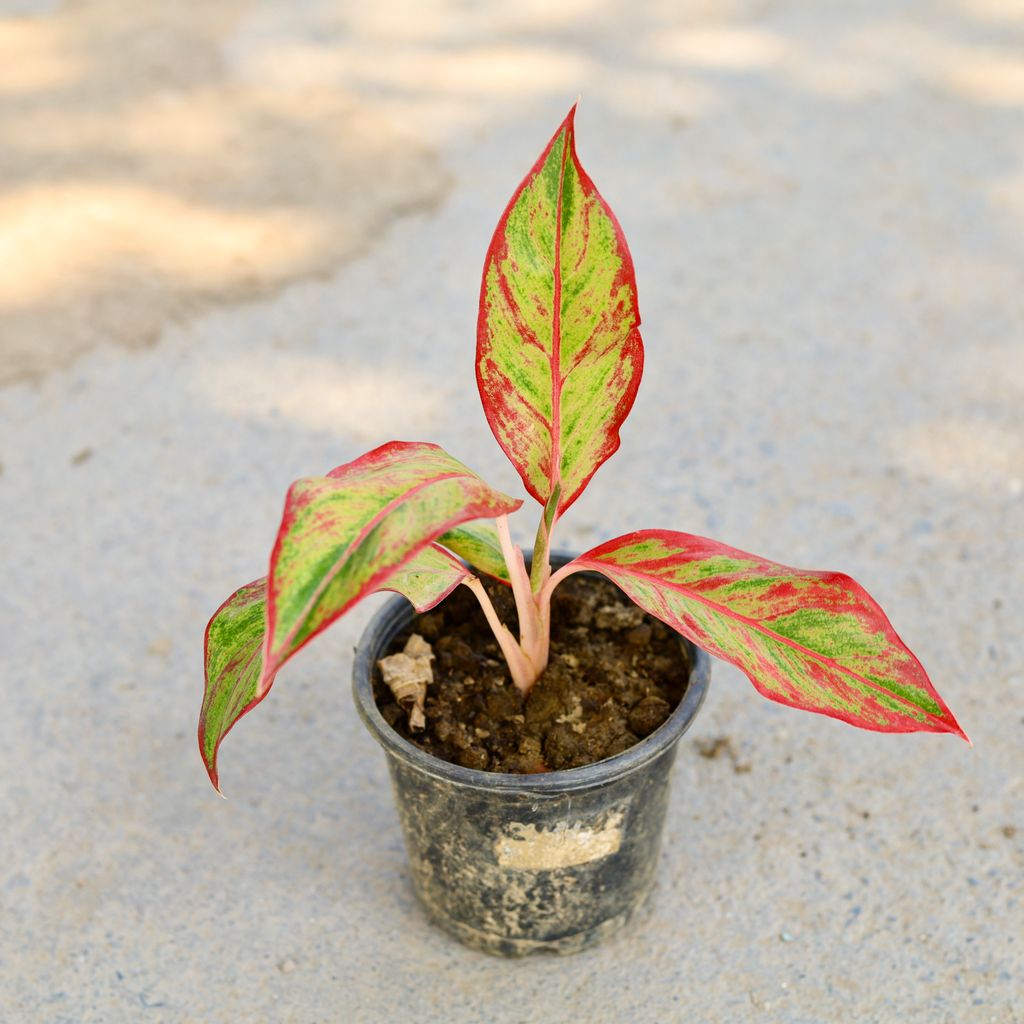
(233, 647)
(813, 640)
(343, 534)
(233, 656)
(559, 354)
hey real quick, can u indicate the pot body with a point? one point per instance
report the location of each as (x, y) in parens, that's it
(517, 864)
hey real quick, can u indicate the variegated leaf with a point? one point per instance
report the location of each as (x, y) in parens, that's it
(559, 354)
(235, 637)
(344, 534)
(813, 640)
(428, 577)
(479, 545)
(233, 656)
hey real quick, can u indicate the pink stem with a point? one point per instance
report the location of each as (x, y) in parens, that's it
(521, 669)
(544, 606)
(529, 618)
(567, 570)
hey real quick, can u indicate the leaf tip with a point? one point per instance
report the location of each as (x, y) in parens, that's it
(568, 125)
(953, 727)
(211, 771)
(209, 763)
(958, 731)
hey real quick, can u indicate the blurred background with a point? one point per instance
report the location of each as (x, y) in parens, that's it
(241, 243)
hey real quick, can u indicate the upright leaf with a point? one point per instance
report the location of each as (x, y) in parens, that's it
(233, 648)
(559, 354)
(344, 534)
(813, 640)
(540, 569)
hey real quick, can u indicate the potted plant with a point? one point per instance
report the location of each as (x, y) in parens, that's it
(554, 848)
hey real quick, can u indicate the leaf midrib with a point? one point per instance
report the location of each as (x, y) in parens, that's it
(555, 469)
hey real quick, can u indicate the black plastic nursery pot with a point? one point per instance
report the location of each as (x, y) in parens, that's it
(518, 864)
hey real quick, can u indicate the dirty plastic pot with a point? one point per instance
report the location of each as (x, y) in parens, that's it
(517, 864)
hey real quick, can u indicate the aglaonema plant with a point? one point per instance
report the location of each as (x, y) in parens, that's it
(558, 364)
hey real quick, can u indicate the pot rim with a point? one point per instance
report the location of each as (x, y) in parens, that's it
(398, 613)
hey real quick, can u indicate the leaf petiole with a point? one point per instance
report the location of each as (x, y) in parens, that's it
(523, 673)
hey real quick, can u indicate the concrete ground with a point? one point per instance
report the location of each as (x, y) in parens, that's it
(241, 243)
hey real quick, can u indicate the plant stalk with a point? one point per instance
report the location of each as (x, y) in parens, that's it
(523, 675)
(528, 658)
(533, 632)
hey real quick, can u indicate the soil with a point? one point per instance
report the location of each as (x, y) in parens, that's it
(614, 676)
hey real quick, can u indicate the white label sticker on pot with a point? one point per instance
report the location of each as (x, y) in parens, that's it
(526, 848)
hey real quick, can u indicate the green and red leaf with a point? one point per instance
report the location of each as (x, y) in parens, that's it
(427, 578)
(233, 656)
(812, 640)
(233, 648)
(559, 355)
(367, 526)
(344, 534)
(479, 545)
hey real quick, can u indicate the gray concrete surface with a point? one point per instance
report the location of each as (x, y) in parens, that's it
(825, 203)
